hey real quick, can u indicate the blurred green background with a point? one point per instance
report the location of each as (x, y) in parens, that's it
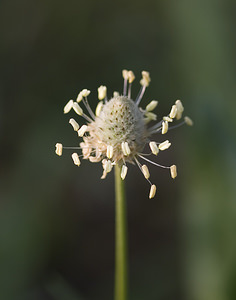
(57, 221)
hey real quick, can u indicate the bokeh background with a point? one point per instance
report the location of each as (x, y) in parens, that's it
(57, 221)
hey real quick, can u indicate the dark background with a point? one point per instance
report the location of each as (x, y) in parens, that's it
(57, 221)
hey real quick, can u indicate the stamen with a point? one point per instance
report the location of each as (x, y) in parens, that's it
(146, 78)
(126, 77)
(77, 109)
(131, 76)
(164, 127)
(59, 148)
(173, 171)
(152, 105)
(152, 162)
(109, 151)
(152, 191)
(151, 116)
(176, 126)
(145, 171)
(125, 148)
(168, 119)
(74, 124)
(123, 173)
(165, 145)
(102, 92)
(94, 159)
(173, 111)
(82, 130)
(76, 159)
(79, 97)
(68, 106)
(99, 108)
(85, 92)
(188, 121)
(86, 104)
(140, 95)
(180, 109)
(107, 166)
(154, 148)
(116, 94)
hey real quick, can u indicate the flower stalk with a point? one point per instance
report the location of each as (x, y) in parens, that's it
(121, 268)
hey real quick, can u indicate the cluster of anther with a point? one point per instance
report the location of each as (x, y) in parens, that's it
(119, 129)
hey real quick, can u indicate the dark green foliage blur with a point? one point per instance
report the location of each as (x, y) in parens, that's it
(57, 220)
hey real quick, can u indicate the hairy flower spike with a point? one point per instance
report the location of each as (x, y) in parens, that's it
(119, 130)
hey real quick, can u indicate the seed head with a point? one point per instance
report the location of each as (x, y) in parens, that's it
(119, 130)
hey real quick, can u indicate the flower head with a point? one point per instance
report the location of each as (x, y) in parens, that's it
(119, 130)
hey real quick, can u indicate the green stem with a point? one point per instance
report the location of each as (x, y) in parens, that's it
(121, 239)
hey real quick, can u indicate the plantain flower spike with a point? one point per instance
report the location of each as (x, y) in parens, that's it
(116, 134)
